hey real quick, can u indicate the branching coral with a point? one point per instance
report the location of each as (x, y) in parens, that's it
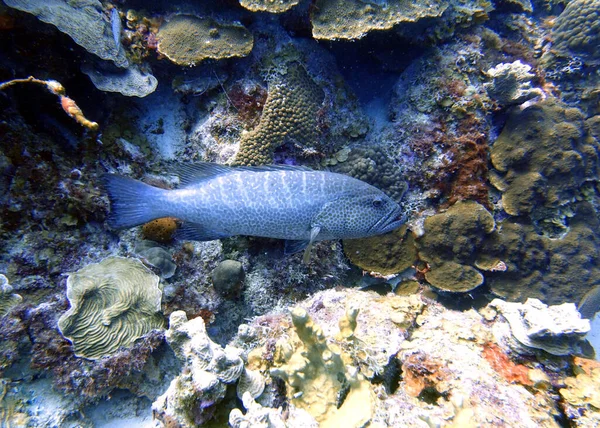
(334, 394)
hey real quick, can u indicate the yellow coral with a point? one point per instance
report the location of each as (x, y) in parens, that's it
(334, 394)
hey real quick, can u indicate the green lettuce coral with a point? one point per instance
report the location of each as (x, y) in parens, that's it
(113, 303)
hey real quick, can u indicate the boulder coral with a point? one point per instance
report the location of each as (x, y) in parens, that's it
(544, 157)
(113, 303)
(451, 246)
(289, 116)
(576, 31)
(187, 40)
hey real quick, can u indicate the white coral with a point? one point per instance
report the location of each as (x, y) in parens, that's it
(511, 84)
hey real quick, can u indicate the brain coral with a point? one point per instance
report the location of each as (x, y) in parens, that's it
(577, 31)
(187, 40)
(113, 303)
(289, 115)
(352, 19)
(451, 246)
(272, 6)
(545, 157)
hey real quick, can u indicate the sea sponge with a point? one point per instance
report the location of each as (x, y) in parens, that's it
(451, 246)
(289, 115)
(160, 230)
(188, 40)
(576, 31)
(271, 6)
(113, 303)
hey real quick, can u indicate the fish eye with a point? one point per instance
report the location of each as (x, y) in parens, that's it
(377, 202)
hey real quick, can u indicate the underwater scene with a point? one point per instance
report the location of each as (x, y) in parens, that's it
(299, 213)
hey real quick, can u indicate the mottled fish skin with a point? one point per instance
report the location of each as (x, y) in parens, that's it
(275, 202)
(115, 21)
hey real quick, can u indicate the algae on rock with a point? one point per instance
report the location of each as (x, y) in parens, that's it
(113, 303)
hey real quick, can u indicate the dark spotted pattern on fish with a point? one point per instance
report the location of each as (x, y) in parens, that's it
(277, 202)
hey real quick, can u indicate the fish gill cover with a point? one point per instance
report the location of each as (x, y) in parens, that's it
(475, 121)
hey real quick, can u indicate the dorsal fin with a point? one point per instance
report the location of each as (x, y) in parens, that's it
(195, 173)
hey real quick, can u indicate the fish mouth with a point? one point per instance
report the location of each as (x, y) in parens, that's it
(392, 221)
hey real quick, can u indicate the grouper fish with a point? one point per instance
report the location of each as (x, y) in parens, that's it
(284, 202)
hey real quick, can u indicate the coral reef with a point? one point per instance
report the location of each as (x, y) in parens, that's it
(207, 369)
(581, 394)
(289, 116)
(558, 330)
(8, 299)
(271, 6)
(545, 158)
(576, 31)
(113, 303)
(451, 246)
(257, 415)
(187, 40)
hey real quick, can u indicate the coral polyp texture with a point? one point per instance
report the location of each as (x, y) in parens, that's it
(188, 40)
(289, 116)
(353, 19)
(451, 246)
(271, 6)
(113, 303)
(576, 31)
(545, 157)
(83, 21)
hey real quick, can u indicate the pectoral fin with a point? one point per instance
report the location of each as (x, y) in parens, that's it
(313, 236)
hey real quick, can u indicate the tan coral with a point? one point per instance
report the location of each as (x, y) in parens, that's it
(353, 19)
(289, 115)
(451, 246)
(113, 303)
(576, 31)
(271, 6)
(188, 40)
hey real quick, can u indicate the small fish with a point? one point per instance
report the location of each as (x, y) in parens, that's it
(590, 303)
(284, 202)
(115, 21)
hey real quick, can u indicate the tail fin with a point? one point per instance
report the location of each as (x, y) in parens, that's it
(131, 202)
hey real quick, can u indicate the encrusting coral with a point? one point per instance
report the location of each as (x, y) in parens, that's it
(113, 303)
(320, 382)
(289, 116)
(188, 40)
